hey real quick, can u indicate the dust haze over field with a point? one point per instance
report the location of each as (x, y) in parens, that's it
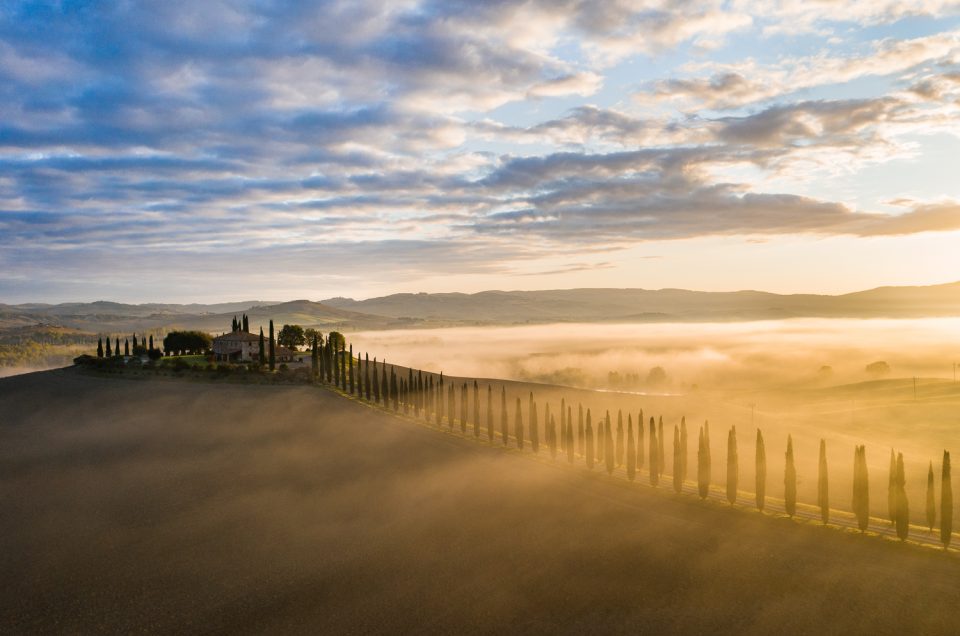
(165, 505)
(766, 375)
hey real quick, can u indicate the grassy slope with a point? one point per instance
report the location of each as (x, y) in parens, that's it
(187, 507)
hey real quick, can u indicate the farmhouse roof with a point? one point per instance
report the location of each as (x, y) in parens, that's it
(238, 336)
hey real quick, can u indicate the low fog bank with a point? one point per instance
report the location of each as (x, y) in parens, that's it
(797, 352)
(185, 507)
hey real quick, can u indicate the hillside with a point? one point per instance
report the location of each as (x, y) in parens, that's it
(271, 509)
(598, 305)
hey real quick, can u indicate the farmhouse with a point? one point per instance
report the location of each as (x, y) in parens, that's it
(242, 346)
(238, 346)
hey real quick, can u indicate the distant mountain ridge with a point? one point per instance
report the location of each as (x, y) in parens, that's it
(495, 308)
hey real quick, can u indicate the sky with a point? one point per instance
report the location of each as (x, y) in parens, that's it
(186, 151)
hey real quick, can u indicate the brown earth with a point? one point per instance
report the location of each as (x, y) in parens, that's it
(164, 506)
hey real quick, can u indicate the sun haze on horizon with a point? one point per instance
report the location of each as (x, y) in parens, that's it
(186, 151)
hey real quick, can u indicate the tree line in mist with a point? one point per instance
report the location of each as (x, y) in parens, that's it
(607, 443)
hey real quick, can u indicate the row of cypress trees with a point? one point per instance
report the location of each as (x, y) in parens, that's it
(115, 350)
(435, 398)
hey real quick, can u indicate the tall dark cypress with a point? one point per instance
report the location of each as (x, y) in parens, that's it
(946, 502)
(654, 455)
(451, 405)
(489, 413)
(931, 502)
(394, 389)
(619, 445)
(463, 408)
(703, 466)
(246, 324)
(861, 488)
(588, 442)
(903, 507)
(761, 472)
(314, 359)
(476, 409)
(683, 449)
(552, 437)
(100, 347)
(151, 343)
(570, 446)
(233, 324)
(116, 349)
(518, 426)
(608, 452)
(534, 427)
(892, 489)
(631, 451)
(272, 354)
(823, 491)
(563, 424)
(350, 369)
(384, 386)
(641, 443)
(504, 424)
(262, 358)
(366, 375)
(376, 382)
(677, 463)
(411, 387)
(733, 468)
(581, 432)
(441, 396)
(790, 481)
(661, 458)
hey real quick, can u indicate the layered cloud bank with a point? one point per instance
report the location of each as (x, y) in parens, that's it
(369, 145)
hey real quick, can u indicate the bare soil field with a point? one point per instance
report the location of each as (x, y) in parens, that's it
(166, 506)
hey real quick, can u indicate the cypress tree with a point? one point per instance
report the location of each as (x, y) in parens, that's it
(619, 447)
(463, 408)
(931, 503)
(733, 468)
(504, 425)
(677, 463)
(570, 447)
(534, 427)
(703, 466)
(116, 349)
(134, 338)
(946, 502)
(126, 347)
(546, 425)
(384, 386)
(892, 489)
(394, 389)
(246, 323)
(683, 449)
(366, 374)
(441, 396)
(640, 441)
(790, 481)
(489, 413)
(823, 492)
(109, 350)
(233, 324)
(314, 359)
(99, 347)
(272, 357)
(588, 442)
(608, 455)
(476, 409)
(350, 369)
(451, 405)
(903, 507)
(376, 382)
(518, 426)
(631, 451)
(151, 342)
(654, 455)
(861, 488)
(581, 433)
(761, 472)
(552, 438)
(262, 357)
(661, 458)
(563, 424)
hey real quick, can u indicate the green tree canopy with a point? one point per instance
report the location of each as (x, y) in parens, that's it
(292, 337)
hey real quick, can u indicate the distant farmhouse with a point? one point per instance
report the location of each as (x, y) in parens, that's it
(242, 346)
